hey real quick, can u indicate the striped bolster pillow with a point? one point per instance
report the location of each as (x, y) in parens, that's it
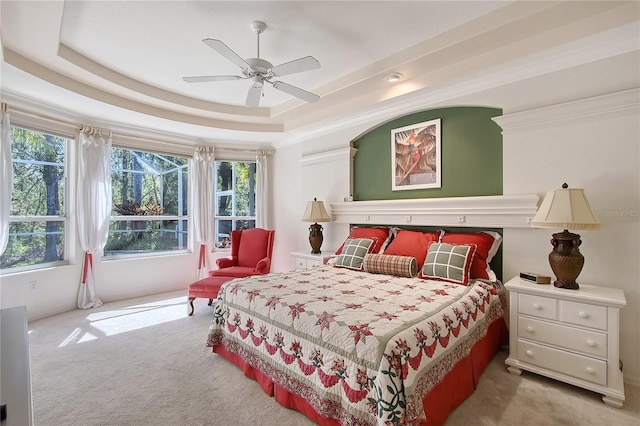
(401, 266)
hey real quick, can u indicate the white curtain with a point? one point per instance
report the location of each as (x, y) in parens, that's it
(203, 206)
(6, 180)
(94, 209)
(262, 186)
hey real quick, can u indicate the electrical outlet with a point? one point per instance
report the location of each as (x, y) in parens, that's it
(408, 219)
(367, 218)
(461, 219)
(33, 285)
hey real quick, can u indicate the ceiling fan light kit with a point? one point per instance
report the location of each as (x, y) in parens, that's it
(260, 70)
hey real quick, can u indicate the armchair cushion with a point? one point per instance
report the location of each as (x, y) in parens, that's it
(234, 271)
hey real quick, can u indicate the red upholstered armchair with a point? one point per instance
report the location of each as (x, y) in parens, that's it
(251, 251)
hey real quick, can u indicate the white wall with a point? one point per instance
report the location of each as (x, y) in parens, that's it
(57, 288)
(592, 144)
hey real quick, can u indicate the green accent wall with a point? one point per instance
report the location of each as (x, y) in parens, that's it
(471, 156)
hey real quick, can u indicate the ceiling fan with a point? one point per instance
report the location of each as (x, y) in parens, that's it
(260, 71)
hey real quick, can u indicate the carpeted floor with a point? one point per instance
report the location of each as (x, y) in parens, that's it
(144, 362)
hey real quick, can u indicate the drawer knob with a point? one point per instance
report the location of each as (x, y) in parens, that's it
(529, 353)
(591, 343)
(582, 314)
(529, 329)
(537, 306)
(591, 371)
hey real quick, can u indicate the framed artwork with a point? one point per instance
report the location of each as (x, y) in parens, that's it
(415, 156)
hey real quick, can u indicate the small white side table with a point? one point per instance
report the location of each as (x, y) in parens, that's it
(568, 335)
(306, 260)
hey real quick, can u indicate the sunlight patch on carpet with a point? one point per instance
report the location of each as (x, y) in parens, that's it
(105, 323)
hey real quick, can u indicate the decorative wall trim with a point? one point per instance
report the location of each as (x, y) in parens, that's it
(499, 211)
(328, 156)
(614, 104)
(600, 46)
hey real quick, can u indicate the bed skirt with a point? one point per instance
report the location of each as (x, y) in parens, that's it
(452, 391)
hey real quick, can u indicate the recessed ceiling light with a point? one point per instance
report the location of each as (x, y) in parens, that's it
(393, 77)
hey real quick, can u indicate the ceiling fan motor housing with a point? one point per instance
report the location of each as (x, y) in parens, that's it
(258, 66)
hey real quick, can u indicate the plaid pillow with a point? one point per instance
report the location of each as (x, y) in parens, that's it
(400, 266)
(353, 252)
(448, 262)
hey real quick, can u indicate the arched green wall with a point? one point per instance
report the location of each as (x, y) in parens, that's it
(471, 156)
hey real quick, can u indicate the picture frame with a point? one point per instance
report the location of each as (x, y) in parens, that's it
(416, 156)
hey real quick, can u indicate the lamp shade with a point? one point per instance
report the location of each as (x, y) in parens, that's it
(315, 212)
(565, 208)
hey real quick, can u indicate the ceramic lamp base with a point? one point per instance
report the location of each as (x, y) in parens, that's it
(566, 260)
(315, 238)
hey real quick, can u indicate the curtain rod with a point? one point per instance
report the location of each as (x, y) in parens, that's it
(83, 128)
(207, 148)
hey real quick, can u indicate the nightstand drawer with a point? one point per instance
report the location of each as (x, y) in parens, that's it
(536, 306)
(313, 262)
(582, 367)
(300, 263)
(583, 314)
(584, 341)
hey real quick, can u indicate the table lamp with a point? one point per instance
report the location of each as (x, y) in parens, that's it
(315, 212)
(566, 208)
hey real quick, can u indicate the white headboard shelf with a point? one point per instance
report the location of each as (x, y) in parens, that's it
(499, 211)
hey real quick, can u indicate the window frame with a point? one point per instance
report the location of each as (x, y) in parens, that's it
(65, 218)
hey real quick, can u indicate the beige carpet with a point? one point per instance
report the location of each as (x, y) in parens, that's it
(143, 362)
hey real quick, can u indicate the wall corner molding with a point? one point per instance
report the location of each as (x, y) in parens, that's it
(328, 156)
(495, 211)
(612, 104)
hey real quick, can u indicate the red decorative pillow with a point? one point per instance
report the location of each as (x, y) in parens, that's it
(412, 243)
(487, 244)
(379, 235)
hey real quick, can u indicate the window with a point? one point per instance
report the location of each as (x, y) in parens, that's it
(149, 203)
(37, 219)
(235, 199)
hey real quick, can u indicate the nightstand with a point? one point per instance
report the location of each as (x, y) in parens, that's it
(568, 335)
(302, 260)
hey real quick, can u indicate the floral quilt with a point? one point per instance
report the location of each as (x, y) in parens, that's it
(360, 348)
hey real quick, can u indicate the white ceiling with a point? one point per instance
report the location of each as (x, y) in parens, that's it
(123, 62)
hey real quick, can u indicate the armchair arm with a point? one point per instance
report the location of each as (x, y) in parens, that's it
(263, 266)
(226, 262)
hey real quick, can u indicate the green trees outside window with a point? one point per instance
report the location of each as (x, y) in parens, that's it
(149, 203)
(235, 199)
(37, 216)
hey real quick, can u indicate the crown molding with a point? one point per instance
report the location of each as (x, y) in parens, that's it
(604, 45)
(610, 105)
(328, 156)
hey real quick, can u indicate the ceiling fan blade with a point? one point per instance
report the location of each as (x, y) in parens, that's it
(225, 51)
(205, 78)
(253, 97)
(303, 64)
(295, 91)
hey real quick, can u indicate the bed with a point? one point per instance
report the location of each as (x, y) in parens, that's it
(384, 338)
